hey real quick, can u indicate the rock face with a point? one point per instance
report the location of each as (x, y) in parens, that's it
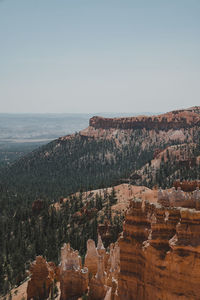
(97, 289)
(104, 269)
(172, 120)
(42, 278)
(187, 186)
(178, 198)
(159, 253)
(73, 279)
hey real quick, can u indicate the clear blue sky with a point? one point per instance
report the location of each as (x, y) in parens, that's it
(99, 55)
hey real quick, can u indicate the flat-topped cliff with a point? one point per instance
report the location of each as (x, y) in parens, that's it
(172, 120)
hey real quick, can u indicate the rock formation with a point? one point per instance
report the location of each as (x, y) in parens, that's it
(163, 198)
(187, 186)
(178, 198)
(172, 120)
(100, 247)
(73, 279)
(97, 288)
(91, 258)
(159, 253)
(156, 257)
(113, 271)
(103, 269)
(114, 258)
(42, 278)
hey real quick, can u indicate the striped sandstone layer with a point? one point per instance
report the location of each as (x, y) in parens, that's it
(159, 253)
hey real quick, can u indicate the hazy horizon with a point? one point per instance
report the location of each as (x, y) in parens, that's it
(89, 56)
(79, 113)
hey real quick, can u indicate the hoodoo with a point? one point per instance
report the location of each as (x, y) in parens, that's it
(73, 279)
(158, 248)
(157, 256)
(42, 278)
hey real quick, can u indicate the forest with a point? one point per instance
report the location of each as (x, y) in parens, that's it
(26, 232)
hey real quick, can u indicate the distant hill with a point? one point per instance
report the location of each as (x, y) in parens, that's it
(20, 127)
(22, 133)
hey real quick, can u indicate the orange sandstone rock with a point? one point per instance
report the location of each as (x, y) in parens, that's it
(166, 263)
(171, 120)
(73, 279)
(91, 258)
(42, 278)
(97, 288)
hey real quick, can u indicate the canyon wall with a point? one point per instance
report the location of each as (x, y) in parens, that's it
(159, 253)
(179, 198)
(172, 120)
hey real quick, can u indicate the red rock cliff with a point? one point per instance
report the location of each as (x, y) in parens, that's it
(160, 253)
(172, 120)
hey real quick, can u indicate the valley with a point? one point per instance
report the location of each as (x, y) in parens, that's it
(23, 133)
(103, 183)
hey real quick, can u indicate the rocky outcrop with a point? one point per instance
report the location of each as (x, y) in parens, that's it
(103, 283)
(163, 198)
(159, 253)
(97, 288)
(42, 278)
(100, 247)
(132, 260)
(156, 257)
(73, 279)
(96, 261)
(187, 186)
(172, 120)
(91, 258)
(114, 259)
(179, 198)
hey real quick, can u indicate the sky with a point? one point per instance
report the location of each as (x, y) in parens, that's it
(85, 56)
